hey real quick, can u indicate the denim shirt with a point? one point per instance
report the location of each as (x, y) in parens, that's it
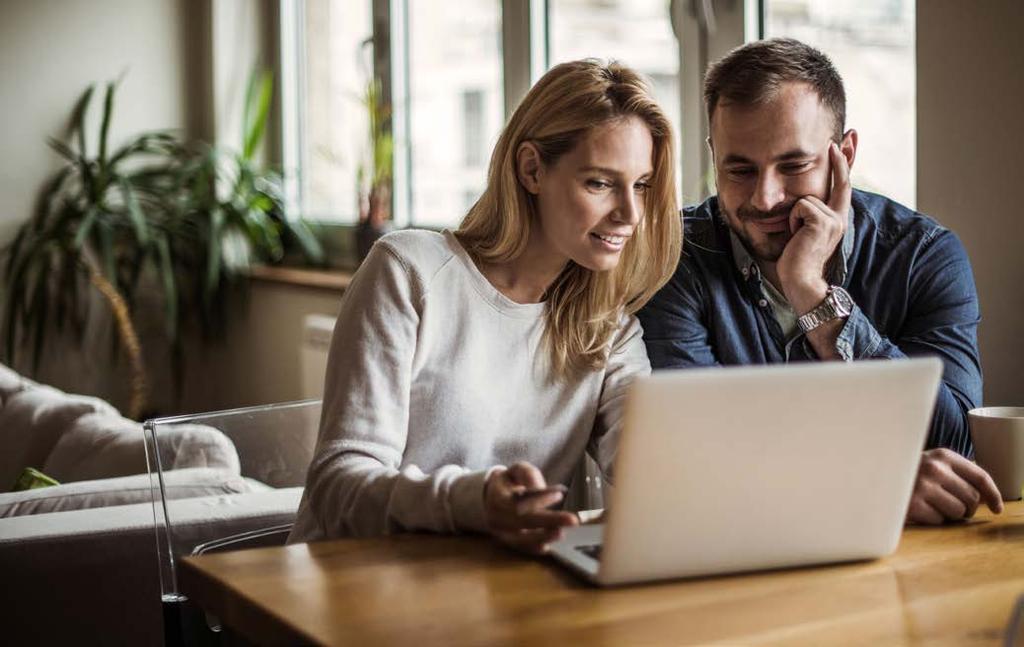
(910, 280)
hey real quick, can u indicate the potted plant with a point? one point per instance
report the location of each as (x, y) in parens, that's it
(188, 217)
(374, 175)
(93, 226)
(230, 209)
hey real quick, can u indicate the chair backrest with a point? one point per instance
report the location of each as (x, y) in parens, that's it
(235, 473)
(259, 538)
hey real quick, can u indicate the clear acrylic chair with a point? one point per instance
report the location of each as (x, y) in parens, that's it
(224, 480)
(586, 491)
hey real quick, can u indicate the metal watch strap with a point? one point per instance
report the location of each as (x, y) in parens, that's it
(837, 303)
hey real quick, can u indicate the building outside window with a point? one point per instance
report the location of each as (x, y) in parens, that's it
(454, 104)
(637, 33)
(871, 42)
(335, 65)
(447, 69)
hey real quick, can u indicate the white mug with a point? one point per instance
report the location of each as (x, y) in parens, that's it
(998, 435)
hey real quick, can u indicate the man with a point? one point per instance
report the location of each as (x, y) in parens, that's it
(788, 263)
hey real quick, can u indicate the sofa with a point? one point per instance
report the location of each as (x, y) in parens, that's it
(79, 559)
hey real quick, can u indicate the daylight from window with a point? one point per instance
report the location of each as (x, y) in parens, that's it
(453, 106)
(456, 105)
(637, 33)
(336, 61)
(871, 42)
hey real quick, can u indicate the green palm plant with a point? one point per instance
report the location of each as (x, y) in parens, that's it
(230, 210)
(191, 217)
(92, 225)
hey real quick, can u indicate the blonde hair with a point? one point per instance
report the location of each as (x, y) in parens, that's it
(583, 307)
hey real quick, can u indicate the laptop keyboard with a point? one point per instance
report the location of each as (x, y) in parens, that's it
(593, 551)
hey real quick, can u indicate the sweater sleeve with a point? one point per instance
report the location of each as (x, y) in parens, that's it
(356, 484)
(627, 361)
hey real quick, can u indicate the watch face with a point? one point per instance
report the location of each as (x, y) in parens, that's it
(842, 300)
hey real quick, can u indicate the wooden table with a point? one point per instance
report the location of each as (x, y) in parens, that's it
(949, 585)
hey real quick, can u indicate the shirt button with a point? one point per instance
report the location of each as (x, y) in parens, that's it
(763, 303)
(746, 272)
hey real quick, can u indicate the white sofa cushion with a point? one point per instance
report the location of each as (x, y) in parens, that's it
(11, 383)
(32, 420)
(99, 446)
(178, 484)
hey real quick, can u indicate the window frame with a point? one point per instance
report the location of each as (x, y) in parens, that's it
(706, 30)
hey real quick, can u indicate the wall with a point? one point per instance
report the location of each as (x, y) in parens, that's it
(185, 64)
(260, 362)
(51, 50)
(970, 89)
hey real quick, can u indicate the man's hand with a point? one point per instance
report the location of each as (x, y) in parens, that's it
(521, 519)
(949, 487)
(817, 230)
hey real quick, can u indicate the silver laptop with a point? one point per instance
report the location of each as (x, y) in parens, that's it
(725, 470)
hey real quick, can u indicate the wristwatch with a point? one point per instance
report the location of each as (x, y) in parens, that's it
(837, 303)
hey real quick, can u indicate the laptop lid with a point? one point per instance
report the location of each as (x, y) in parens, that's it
(741, 468)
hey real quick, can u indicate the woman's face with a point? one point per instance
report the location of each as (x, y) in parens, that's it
(591, 199)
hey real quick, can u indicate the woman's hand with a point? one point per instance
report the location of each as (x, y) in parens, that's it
(518, 515)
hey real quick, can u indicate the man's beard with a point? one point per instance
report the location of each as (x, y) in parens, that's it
(769, 247)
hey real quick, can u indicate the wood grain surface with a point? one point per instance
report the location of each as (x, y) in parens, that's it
(950, 585)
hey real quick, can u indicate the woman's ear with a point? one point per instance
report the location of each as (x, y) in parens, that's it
(528, 167)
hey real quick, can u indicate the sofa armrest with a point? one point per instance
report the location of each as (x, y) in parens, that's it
(94, 573)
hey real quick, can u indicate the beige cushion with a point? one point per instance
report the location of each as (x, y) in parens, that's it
(98, 447)
(11, 383)
(32, 421)
(178, 484)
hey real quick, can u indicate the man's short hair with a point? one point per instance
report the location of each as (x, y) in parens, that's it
(753, 73)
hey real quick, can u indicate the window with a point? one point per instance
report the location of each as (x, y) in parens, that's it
(871, 42)
(325, 80)
(637, 33)
(452, 73)
(454, 107)
(473, 128)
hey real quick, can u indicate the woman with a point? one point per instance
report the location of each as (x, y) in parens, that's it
(510, 341)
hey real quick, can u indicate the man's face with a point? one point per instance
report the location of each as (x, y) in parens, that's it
(766, 158)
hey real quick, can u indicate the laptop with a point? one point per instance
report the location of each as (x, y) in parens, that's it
(724, 470)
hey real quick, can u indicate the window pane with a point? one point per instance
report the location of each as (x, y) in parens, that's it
(337, 66)
(455, 104)
(637, 33)
(871, 42)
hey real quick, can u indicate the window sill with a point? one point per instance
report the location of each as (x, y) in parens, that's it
(334, 280)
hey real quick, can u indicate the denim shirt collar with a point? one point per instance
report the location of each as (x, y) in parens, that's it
(835, 273)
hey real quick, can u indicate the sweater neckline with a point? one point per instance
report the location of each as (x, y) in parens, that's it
(486, 289)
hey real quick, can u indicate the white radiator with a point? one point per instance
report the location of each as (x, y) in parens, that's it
(316, 341)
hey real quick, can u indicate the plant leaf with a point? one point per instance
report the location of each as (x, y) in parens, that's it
(83, 164)
(213, 258)
(310, 244)
(47, 195)
(65, 151)
(78, 118)
(166, 271)
(14, 303)
(257, 105)
(108, 109)
(105, 236)
(82, 233)
(39, 308)
(135, 214)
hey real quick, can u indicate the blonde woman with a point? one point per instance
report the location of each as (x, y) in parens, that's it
(469, 371)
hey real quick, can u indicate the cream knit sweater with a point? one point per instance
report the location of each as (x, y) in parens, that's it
(434, 378)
